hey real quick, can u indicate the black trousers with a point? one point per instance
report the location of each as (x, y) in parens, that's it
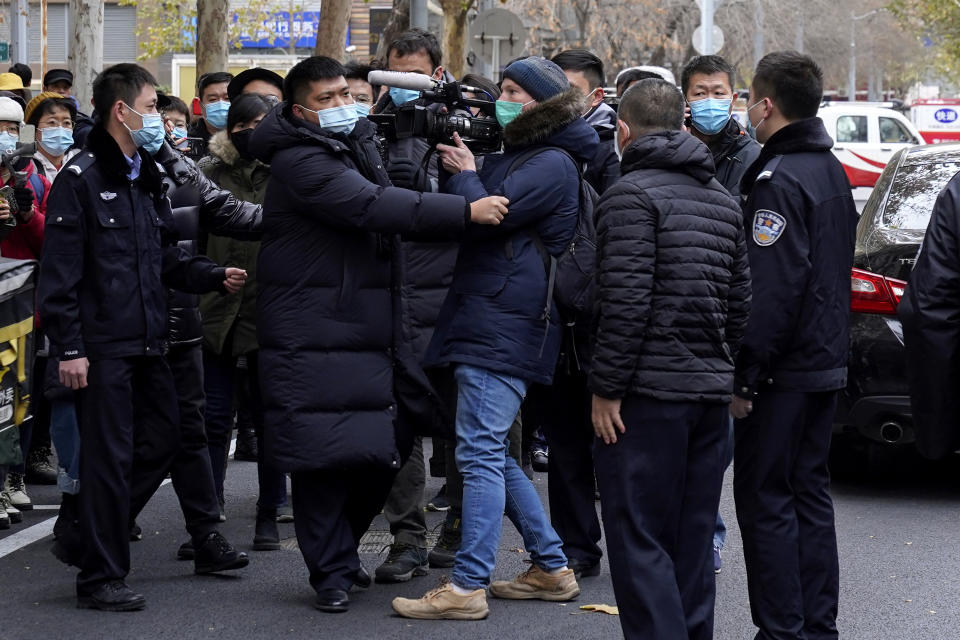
(333, 510)
(571, 488)
(129, 426)
(192, 473)
(660, 489)
(403, 509)
(782, 491)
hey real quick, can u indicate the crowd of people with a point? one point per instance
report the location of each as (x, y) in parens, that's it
(277, 264)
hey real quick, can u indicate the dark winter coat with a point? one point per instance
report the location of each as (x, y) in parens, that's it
(929, 311)
(733, 153)
(801, 222)
(200, 206)
(110, 251)
(328, 315)
(493, 317)
(233, 315)
(603, 169)
(673, 276)
(427, 266)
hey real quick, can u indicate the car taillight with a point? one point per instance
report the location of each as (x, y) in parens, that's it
(873, 293)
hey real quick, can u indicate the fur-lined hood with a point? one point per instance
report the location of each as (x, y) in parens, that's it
(221, 148)
(556, 121)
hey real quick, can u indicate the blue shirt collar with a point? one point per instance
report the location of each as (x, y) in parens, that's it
(134, 164)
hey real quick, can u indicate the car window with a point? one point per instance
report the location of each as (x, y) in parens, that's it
(914, 192)
(893, 132)
(852, 129)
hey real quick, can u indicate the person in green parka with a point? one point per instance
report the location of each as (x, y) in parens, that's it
(229, 321)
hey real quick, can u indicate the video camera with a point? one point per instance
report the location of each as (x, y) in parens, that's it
(481, 133)
(25, 149)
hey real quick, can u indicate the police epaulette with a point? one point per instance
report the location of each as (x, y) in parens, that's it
(81, 162)
(769, 169)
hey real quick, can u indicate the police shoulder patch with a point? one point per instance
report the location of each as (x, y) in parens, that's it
(768, 226)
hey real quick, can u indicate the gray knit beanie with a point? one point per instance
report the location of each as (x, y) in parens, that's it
(539, 77)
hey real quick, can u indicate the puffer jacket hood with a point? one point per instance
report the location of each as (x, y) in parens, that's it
(669, 151)
(602, 118)
(222, 148)
(557, 122)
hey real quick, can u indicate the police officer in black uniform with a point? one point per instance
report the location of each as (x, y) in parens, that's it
(109, 252)
(800, 223)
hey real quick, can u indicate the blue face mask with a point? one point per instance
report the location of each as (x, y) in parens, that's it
(150, 135)
(710, 115)
(178, 133)
(216, 113)
(8, 141)
(56, 140)
(363, 110)
(403, 96)
(340, 119)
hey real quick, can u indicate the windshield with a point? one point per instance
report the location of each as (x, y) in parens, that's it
(914, 192)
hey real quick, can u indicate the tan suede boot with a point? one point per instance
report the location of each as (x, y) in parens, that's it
(537, 584)
(443, 603)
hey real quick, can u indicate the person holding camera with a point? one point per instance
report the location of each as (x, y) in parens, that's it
(328, 314)
(497, 335)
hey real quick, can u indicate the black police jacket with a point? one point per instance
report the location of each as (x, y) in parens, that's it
(673, 276)
(199, 206)
(733, 153)
(931, 333)
(110, 251)
(800, 221)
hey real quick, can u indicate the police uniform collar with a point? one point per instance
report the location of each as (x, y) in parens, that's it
(802, 136)
(113, 164)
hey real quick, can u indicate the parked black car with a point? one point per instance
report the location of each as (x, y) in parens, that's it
(876, 402)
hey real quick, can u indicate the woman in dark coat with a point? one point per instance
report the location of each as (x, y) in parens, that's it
(494, 331)
(328, 316)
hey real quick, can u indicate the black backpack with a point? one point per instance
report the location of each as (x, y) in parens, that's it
(571, 277)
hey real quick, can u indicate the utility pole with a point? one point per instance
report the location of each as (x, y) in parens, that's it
(86, 48)
(852, 73)
(19, 42)
(706, 24)
(759, 35)
(418, 14)
(292, 47)
(799, 35)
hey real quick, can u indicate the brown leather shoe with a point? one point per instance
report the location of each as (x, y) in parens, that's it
(537, 584)
(443, 603)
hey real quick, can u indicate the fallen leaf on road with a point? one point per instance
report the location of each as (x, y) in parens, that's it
(601, 608)
(908, 543)
(518, 550)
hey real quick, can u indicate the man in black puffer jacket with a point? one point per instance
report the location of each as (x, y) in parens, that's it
(674, 295)
(328, 315)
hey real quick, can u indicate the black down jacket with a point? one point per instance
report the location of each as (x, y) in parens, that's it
(931, 332)
(328, 311)
(199, 204)
(733, 153)
(674, 276)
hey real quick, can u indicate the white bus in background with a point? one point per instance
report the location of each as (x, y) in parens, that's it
(937, 120)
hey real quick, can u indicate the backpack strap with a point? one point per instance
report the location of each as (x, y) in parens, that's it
(37, 184)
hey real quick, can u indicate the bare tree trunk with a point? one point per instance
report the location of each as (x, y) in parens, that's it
(332, 29)
(455, 34)
(212, 35)
(86, 50)
(398, 23)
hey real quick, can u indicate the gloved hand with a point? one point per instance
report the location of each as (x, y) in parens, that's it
(402, 173)
(24, 197)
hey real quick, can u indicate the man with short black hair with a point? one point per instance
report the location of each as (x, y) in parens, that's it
(328, 311)
(801, 224)
(364, 94)
(109, 253)
(629, 77)
(673, 294)
(212, 89)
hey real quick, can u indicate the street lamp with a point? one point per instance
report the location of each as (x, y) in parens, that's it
(852, 77)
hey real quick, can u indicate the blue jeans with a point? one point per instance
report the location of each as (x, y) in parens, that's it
(487, 404)
(65, 435)
(720, 533)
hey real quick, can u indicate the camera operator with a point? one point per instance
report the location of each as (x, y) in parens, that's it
(498, 337)
(328, 314)
(427, 273)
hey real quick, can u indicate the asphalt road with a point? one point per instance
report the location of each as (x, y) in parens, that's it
(898, 523)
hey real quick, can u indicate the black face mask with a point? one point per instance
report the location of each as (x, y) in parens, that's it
(241, 140)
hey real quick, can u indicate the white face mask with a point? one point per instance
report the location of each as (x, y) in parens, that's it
(616, 139)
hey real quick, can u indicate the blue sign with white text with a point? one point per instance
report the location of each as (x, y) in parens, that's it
(277, 26)
(945, 115)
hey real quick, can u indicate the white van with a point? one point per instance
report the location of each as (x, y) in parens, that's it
(865, 137)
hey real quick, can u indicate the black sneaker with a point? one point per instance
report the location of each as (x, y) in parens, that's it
(186, 551)
(583, 569)
(362, 579)
(444, 553)
(112, 596)
(246, 450)
(540, 460)
(439, 502)
(404, 562)
(216, 554)
(38, 467)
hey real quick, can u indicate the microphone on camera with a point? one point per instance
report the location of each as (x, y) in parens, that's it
(403, 80)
